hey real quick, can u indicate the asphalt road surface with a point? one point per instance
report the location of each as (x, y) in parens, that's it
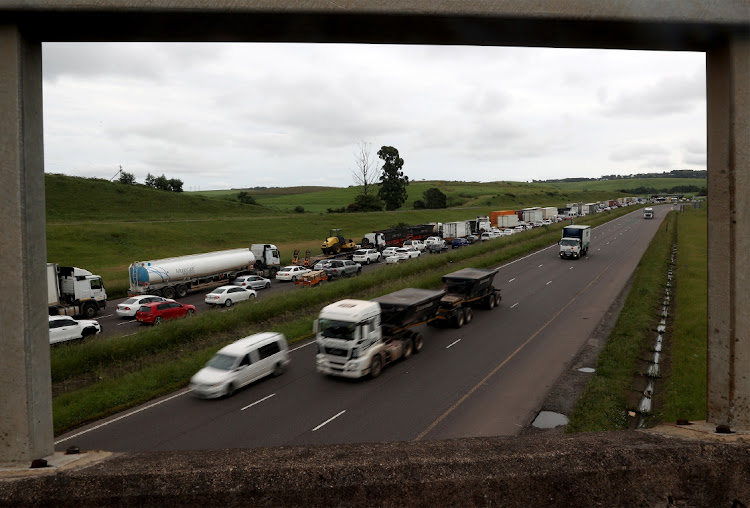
(488, 378)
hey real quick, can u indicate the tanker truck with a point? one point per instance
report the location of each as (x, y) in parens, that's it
(73, 291)
(175, 277)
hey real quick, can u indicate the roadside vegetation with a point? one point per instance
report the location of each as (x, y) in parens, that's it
(606, 400)
(99, 377)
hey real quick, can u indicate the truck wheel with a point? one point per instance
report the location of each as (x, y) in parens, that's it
(490, 302)
(89, 310)
(182, 291)
(468, 314)
(376, 367)
(418, 340)
(156, 292)
(458, 321)
(168, 292)
(497, 299)
(408, 348)
(228, 303)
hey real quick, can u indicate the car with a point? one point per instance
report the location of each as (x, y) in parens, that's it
(417, 244)
(519, 229)
(459, 242)
(291, 273)
(129, 307)
(366, 256)
(411, 251)
(342, 268)
(252, 282)
(229, 295)
(240, 363)
(472, 238)
(402, 254)
(65, 328)
(157, 312)
(487, 235)
(429, 242)
(388, 251)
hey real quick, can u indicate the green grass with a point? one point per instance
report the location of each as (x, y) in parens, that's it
(125, 371)
(604, 402)
(685, 391)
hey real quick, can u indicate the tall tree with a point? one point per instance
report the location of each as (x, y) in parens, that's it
(366, 173)
(127, 178)
(434, 198)
(393, 182)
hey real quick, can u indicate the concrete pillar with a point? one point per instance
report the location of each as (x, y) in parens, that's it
(25, 385)
(728, 97)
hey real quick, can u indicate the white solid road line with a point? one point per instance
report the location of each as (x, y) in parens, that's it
(125, 323)
(453, 343)
(511, 280)
(123, 416)
(514, 305)
(258, 401)
(550, 282)
(329, 420)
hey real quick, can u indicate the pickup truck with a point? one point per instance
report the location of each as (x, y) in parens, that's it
(417, 244)
(341, 268)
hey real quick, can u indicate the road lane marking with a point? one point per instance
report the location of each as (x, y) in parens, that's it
(124, 416)
(300, 347)
(571, 268)
(550, 282)
(514, 305)
(258, 401)
(329, 420)
(540, 265)
(125, 323)
(510, 356)
(108, 315)
(511, 280)
(453, 343)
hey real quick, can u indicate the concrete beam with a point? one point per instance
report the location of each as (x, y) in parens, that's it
(25, 384)
(728, 98)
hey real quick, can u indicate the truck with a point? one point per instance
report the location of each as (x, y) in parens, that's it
(531, 215)
(360, 337)
(175, 277)
(73, 291)
(395, 237)
(507, 221)
(453, 230)
(575, 241)
(648, 213)
(267, 260)
(549, 212)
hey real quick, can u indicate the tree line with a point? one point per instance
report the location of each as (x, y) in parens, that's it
(155, 182)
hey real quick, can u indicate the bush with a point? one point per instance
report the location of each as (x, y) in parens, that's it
(299, 209)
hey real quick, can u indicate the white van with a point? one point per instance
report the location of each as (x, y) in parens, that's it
(241, 363)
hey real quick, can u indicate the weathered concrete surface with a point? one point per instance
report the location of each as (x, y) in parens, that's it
(630, 468)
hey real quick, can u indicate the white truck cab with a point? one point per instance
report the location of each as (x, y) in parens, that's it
(648, 213)
(575, 241)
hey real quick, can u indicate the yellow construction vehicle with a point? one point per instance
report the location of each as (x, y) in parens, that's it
(336, 243)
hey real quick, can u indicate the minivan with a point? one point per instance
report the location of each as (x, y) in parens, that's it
(241, 363)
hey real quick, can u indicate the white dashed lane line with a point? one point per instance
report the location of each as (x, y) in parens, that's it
(453, 343)
(257, 402)
(329, 420)
(514, 305)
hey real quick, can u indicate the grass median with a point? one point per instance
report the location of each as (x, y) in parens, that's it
(604, 403)
(104, 376)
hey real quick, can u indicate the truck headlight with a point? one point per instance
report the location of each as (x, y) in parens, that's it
(355, 352)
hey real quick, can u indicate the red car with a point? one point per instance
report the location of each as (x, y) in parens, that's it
(156, 312)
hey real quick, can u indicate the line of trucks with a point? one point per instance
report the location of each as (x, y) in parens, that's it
(356, 338)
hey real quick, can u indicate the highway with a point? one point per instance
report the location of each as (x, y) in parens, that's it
(487, 378)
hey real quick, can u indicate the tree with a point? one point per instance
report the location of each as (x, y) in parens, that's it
(393, 182)
(150, 180)
(366, 173)
(175, 185)
(126, 178)
(246, 198)
(369, 203)
(161, 182)
(434, 198)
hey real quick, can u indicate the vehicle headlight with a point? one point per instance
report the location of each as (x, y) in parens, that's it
(355, 352)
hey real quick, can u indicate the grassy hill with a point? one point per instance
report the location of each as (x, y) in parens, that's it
(104, 226)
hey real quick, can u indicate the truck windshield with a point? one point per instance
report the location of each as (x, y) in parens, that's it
(568, 242)
(336, 329)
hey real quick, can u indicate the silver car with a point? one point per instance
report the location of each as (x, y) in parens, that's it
(252, 282)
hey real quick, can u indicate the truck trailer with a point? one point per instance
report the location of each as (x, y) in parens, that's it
(357, 337)
(73, 291)
(575, 241)
(175, 277)
(460, 229)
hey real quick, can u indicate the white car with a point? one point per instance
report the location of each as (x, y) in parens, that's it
(252, 282)
(433, 240)
(129, 307)
(291, 273)
(229, 295)
(241, 363)
(388, 251)
(519, 229)
(366, 256)
(417, 244)
(63, 328)
(506, 232)
(402, 254)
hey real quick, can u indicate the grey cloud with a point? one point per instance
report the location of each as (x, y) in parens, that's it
(669, 95)
(637, 152)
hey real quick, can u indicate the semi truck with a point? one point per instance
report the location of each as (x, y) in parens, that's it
(460, 229)
(267, 260)
(175, 277)
(575, 241)
(395, 237)
(549, 212)
(648, 213)
(530, 215)
(359, 337)
(504, 219)
(73, 291)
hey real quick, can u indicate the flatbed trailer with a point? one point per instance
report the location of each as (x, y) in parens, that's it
(464, 290)
(309, 260)
(312, 278)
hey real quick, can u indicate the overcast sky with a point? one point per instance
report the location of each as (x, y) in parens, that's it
(222, 116)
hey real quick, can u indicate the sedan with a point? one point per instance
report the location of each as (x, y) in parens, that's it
(156, 313)
(64, 328)
(129, 307)
(291, 273)
(389, 251)
(252, 282)
(459, 242)
(229, 295)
